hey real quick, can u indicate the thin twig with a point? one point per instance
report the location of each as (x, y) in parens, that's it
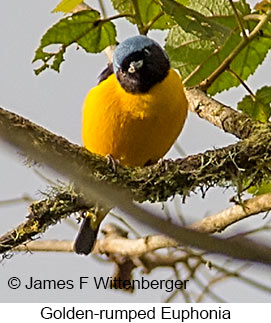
(185, 294)
(179, 149)
(44, 177)
(205, 289)
(137, 235)
(24, 198)
(247, 280)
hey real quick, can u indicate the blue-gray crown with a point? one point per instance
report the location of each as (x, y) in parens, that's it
(129, 46)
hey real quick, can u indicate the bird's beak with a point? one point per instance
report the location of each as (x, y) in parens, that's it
(134, 66)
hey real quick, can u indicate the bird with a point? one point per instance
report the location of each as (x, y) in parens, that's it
(134, 114)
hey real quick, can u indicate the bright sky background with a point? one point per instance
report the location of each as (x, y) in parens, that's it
(54, 101)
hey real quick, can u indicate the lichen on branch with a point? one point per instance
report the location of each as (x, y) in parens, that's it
(240, 165)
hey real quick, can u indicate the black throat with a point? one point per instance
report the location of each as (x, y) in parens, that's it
(155, 68)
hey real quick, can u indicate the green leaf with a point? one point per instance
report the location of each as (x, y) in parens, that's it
(196, 23)
(191, 51)
(83, 28)
(258, 108)
(263, 188)
(245, 63)
(67, 6)
(124, 7)
(149, 10)
(56, 58)
(196, 52)
(186, 52)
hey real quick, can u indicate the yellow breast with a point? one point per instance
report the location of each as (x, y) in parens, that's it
(134, 128)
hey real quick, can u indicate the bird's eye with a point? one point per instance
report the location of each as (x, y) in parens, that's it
(147, 52)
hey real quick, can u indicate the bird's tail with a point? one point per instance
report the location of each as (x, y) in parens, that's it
(85, 240)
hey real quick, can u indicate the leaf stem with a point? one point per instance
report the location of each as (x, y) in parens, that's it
(151, 22)
(137, 17)
(102, 7)
(238, 19)
(244, 42)
(122, 15)
(243, 83)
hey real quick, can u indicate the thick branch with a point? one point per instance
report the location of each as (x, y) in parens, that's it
(148, 259)
(240, 248)
(138, 247)
(221, 116)
(47, 246)
(134, 247)
(220, 221)
(124, 262)
(249, 159)
(116, 245)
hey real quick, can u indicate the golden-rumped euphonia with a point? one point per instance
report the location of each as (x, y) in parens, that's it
(134, 114)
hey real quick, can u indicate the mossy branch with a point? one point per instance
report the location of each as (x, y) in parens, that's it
(166, 178)
(47, 212)
(248, 160)
(41, 215)
(238, 248)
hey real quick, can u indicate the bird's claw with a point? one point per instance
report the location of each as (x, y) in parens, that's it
(112, 162)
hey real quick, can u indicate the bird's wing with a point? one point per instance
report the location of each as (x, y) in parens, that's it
(105, 73)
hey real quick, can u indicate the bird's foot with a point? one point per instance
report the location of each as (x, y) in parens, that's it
(112, 162)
